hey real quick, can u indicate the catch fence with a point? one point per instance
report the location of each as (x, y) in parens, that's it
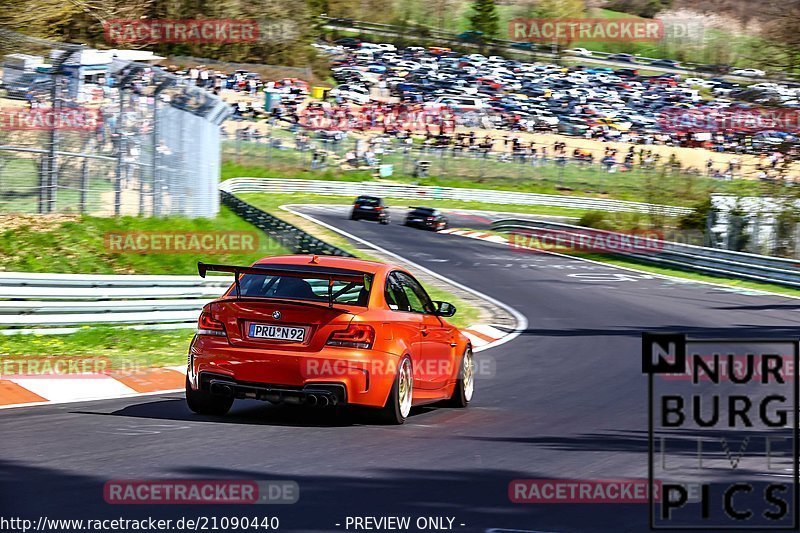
(84, 131)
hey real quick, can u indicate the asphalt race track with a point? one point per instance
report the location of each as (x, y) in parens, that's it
(565, 399)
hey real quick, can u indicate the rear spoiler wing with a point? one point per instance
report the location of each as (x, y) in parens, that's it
(298, 271)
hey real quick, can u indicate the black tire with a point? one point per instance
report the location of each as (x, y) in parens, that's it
(460, 397)
(384, 221)
(391, 413)
(205, 403)
(353, 217)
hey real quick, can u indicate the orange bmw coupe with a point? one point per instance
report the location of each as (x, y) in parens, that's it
(327, 331)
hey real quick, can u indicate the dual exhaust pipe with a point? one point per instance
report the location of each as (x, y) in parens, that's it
(315, 399)
(320, 400)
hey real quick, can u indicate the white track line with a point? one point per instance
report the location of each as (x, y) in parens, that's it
(522, 321)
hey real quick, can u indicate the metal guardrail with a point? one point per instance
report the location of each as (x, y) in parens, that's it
(115, 281)
(422, 192)
(714, 261)
(34, 300)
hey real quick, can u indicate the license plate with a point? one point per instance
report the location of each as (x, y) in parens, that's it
(366, 207)
(278, 333)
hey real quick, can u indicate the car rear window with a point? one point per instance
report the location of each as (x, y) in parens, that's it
(305, 288)
(367, 200)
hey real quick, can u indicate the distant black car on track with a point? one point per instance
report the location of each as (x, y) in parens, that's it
(426, 218)
(370, 208)
(627, 58)
(668, 63)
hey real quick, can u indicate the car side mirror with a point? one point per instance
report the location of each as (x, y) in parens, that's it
(444, 309)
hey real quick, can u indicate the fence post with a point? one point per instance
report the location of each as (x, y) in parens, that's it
(120, 140)
(51, 179)
(155, 184)
(84, 184)
(140, 172)
(44, 171)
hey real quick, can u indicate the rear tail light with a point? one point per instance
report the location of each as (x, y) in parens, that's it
(355, 336)
(207, 325)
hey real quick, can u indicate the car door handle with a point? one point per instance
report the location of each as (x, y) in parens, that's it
(453, 344)
(424, 331)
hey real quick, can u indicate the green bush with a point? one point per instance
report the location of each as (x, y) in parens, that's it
(698, 218)
(595, 219)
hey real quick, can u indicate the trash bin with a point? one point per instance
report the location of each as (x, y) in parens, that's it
(272, 99)
(385, 171)
(319, 92)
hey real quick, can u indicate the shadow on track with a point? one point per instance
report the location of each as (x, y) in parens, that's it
(252, 413)
(477, 498)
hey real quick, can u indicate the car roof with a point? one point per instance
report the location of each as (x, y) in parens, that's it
(330, 261)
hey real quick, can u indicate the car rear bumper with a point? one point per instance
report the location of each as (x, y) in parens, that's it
(425, 224)
(317, 394)
(364, 377)
(369, 214)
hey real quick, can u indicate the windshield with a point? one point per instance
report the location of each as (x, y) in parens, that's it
(306, 288)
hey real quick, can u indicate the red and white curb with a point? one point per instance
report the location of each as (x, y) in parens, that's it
(30, 390)
(471, 234)
(483, 335)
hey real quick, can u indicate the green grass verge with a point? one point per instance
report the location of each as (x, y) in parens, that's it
(127, 349)
(80, 245)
